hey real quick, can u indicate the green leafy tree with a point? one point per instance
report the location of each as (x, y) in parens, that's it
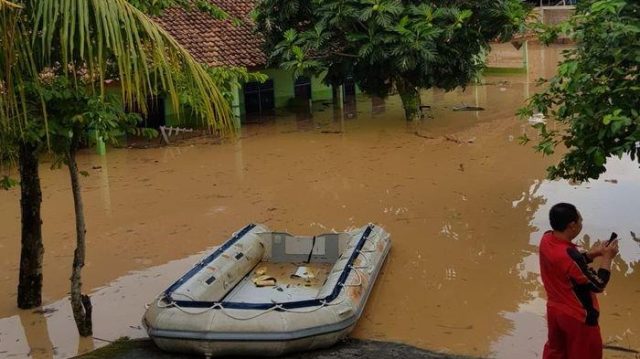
(55, 56)
(156, 7)
(387, 45)
(595, 96)
(73, 113)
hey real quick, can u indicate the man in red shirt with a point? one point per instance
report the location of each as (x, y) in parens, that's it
(572, 306)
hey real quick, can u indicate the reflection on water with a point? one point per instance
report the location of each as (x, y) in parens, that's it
(464, 202)
(118, 307)
(607, 205)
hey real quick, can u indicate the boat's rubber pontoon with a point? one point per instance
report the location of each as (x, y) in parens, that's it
(270, 293)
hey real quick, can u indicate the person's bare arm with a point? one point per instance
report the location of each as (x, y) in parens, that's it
(595, 251)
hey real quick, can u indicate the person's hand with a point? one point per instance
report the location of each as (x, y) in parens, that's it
(596, 250)
(611, 250)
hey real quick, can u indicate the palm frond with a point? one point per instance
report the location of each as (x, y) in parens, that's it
(16, 67)
(4, 4)
(114, 40)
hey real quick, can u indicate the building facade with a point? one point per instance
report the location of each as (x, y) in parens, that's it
(233, 43)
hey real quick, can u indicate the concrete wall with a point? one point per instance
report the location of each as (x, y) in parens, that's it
(553, 15)
(506, 56)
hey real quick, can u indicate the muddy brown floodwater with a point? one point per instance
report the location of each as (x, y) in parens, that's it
(465, 204)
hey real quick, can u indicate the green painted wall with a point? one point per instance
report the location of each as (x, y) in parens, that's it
(282, 85)
(320, 91)
(239, 102)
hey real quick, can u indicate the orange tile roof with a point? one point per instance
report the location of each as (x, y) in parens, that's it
(217, 42)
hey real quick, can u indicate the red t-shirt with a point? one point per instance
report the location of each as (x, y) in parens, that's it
(568, 280)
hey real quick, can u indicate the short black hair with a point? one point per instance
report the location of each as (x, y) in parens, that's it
(561, 214)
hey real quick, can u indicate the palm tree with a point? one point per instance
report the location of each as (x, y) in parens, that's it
(85, 42)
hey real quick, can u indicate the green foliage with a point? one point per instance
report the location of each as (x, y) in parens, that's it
(155, 7)
(75, 113)
(379, 42)
(56, 56)
(7, 182)
(596, 92)
(60, 52)
(88, 42)
(76, 109)
(210, 8)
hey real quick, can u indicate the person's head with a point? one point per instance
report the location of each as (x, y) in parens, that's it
(566, 219)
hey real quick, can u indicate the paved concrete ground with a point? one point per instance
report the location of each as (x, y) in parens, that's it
(351, 348)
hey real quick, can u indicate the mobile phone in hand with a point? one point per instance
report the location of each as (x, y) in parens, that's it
(613, 237)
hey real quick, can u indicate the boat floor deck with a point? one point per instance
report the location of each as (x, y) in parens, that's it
(287, 287)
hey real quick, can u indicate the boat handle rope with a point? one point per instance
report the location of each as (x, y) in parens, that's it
(360, 281)
(363, 250)
(323, 302)
(224, 311)
(367, 250)
(368, 266)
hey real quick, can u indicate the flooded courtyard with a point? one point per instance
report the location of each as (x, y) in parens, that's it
(465, 203)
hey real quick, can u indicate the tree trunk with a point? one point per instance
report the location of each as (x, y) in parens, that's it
(410, 97)
(30, 282)
(80, 303)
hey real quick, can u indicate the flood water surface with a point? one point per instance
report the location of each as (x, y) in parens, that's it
(465, 204)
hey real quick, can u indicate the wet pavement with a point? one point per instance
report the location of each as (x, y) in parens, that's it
(465, 203)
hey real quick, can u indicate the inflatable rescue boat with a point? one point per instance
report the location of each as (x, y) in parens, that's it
(270, 293)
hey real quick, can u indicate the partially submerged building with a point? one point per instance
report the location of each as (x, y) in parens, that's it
(233, 43)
